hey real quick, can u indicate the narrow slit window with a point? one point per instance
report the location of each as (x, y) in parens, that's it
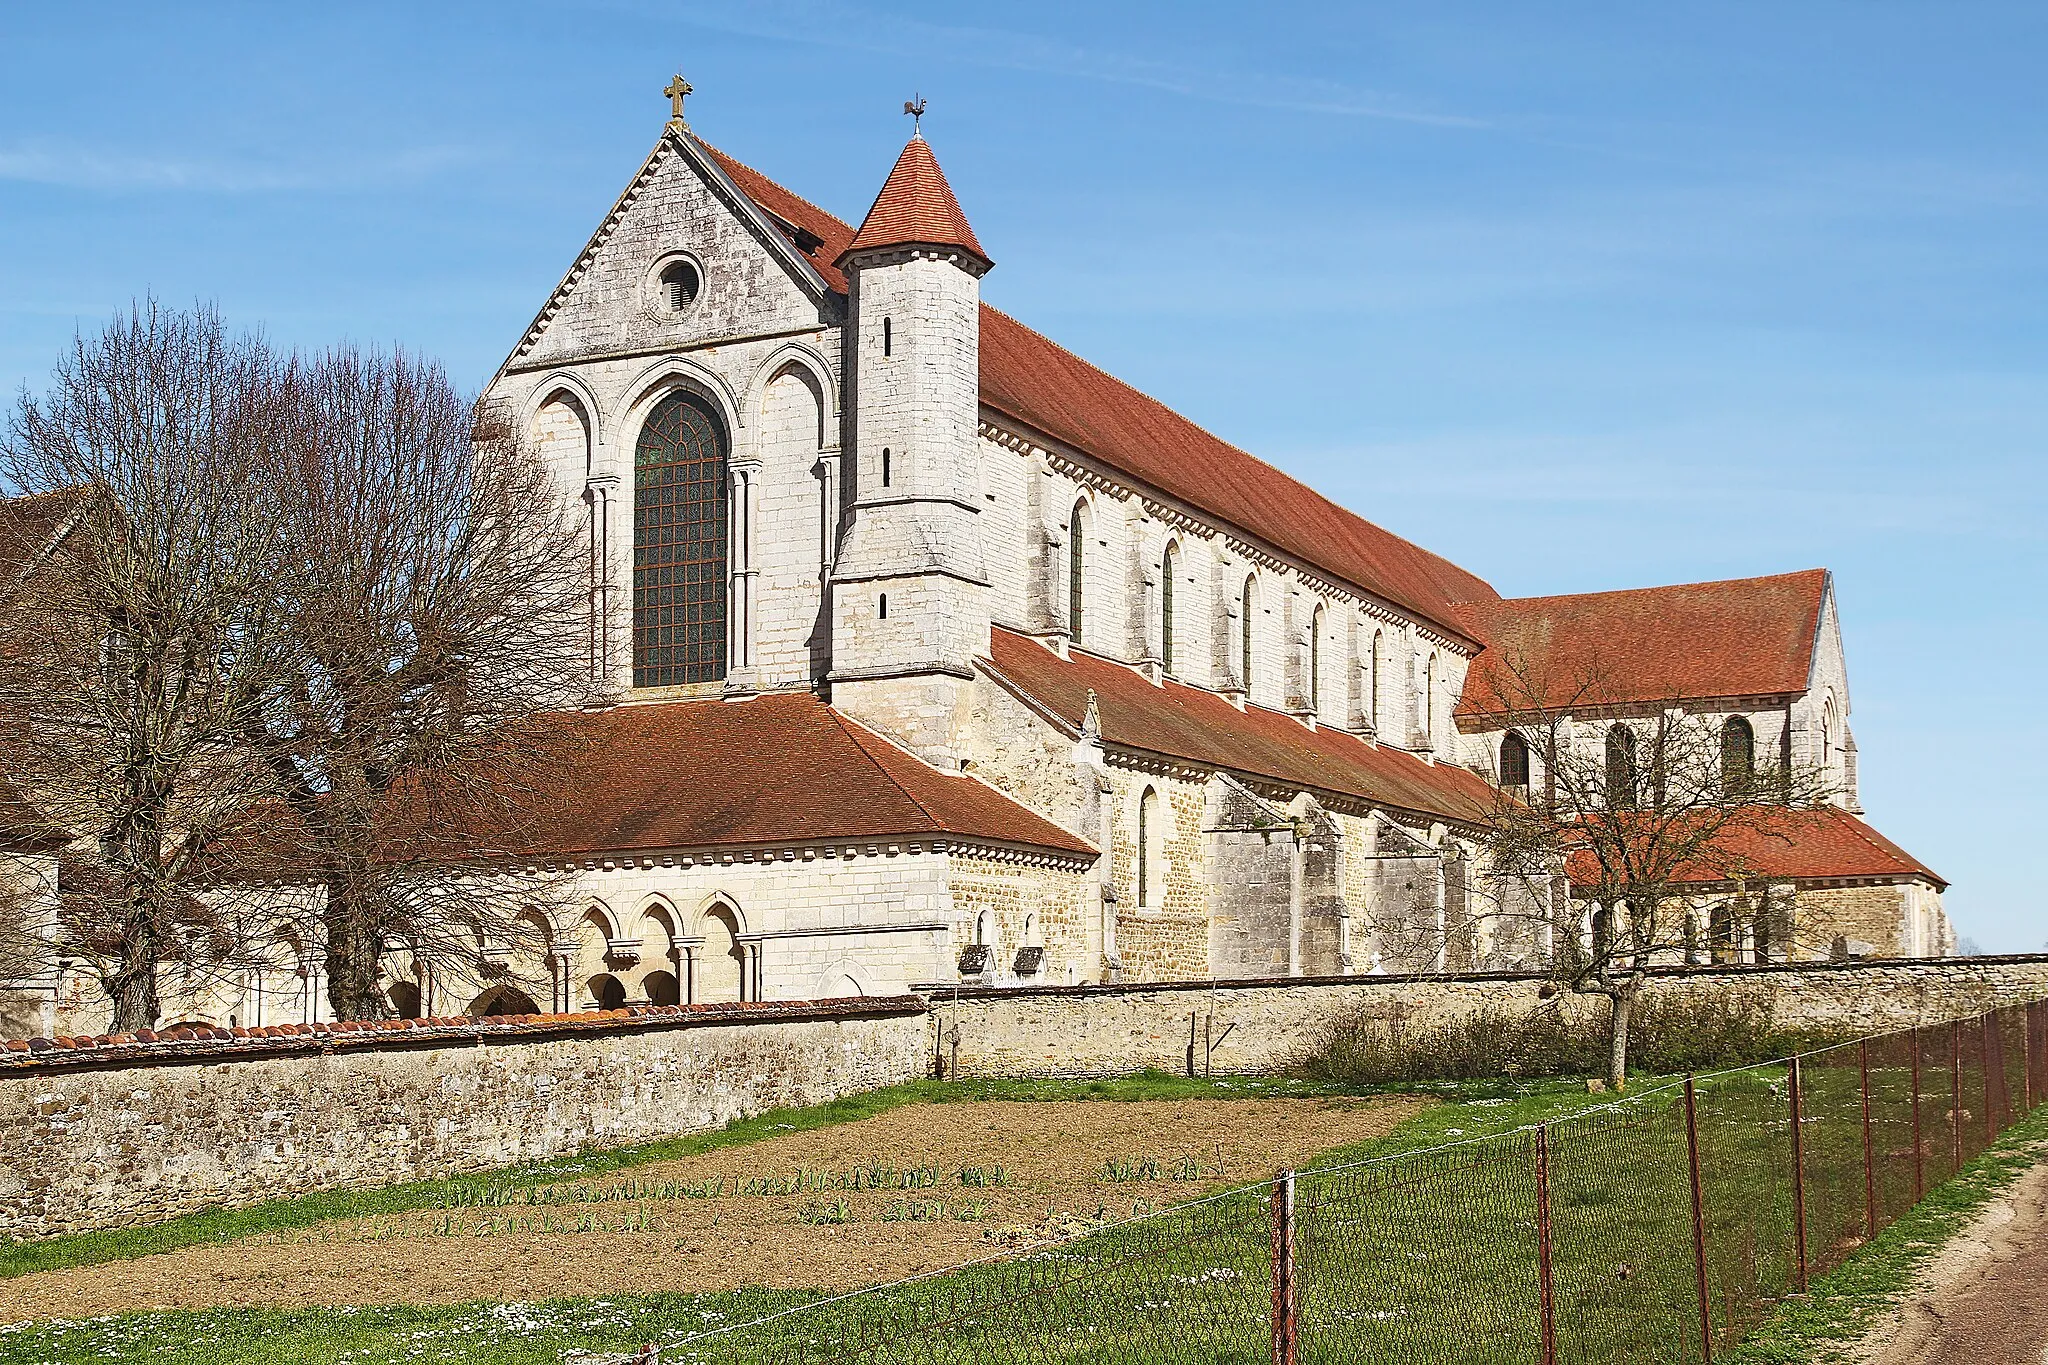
(1244, 640)
(882, 609)
(885, 466)
(1166, 609)
(1077, 532)
(888, 337)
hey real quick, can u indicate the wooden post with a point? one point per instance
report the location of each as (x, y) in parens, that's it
(1955, 1093)
(1283, 1269)
(1869, 1151)
(1546, 1285)
(1699, 1222)
(1798, 1178)
(1919, 1180)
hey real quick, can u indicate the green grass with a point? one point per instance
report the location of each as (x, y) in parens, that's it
(229, 1224)
(537, 1334)
(1849, 1302)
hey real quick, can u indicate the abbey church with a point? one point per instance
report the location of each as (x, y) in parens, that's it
(945, 656)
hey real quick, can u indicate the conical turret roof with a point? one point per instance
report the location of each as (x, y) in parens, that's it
(916, 206)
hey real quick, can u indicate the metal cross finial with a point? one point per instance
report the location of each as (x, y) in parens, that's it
(675, 90)
(915, 108)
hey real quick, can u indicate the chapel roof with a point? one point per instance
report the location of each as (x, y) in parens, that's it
(1818, 844)
(1740, 637)
(916, 206)
(1047, 388)
(663, 776)
(1177, 721)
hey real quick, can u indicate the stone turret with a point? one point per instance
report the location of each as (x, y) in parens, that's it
(910, 589)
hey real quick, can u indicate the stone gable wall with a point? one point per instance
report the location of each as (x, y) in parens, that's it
(119, 1136)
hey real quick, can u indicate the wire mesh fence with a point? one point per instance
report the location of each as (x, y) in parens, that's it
(1662, 1227)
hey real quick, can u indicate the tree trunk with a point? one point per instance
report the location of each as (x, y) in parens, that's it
(133, 987)
(1617, 1039)
(355, 949)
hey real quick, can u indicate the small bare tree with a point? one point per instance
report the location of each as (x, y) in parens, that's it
(136, 624)
(429, 595)
(1650, 817)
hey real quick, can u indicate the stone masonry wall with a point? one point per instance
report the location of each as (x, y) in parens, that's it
(120, 1135)
(1115, 1030)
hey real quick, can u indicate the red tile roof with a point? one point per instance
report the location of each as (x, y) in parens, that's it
(771, 770)
(916, 205)
(1191, 723)
(1797, 845)
(1740, 637)
(1034, 381)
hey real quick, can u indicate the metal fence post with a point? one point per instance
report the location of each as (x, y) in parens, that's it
(1699, 1221)
(1919, 1180)
(1869, 1152)
(1955, 1093)
(1798, 1177)
(1283, 1269)
(1548, 1295)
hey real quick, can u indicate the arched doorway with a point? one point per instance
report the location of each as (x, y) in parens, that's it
(405, 1000)
(500, 1001)
(606, 991)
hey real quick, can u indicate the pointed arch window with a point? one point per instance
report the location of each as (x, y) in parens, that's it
(679, 544)
(1514, 760)
(1738, 757)
(1148, 822)
(1315, 658)
(1429, 701)
(1244, 633)
(1077, 535)
(1373, 684)
(1166, 559)
(1622, 784)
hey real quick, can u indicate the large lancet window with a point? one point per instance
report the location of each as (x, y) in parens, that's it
(1077, 535)
(1372, 712)
(679, 545)
(1315, 659)
(1244, 634)
(1166, 609)
(1622, 793)
(1514, 760)
(1738, 758)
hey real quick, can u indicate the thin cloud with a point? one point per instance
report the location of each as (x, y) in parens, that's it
(71, 166)
(839, 26)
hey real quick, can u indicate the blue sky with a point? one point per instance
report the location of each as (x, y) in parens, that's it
(1582, 296)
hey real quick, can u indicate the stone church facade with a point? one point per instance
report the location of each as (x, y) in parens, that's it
(1024, 677)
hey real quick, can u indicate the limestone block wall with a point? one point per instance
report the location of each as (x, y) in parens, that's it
(115, 1136)
(1108, 1030)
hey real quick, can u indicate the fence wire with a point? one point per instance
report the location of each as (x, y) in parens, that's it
(1662, 1227)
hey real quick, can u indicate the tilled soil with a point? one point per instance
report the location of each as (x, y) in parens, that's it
(639, 1232)
(1984, 1299)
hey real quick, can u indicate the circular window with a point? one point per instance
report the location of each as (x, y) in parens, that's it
(680, 285)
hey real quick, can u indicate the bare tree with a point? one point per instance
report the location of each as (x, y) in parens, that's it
(429, 592)
(1648, 820)
(136, 628)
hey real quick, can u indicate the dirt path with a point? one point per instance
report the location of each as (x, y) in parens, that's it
(1983, 1300)
(911, 1190)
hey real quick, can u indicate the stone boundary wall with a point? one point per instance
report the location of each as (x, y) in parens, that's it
(110, 1134)
(1268, 1025)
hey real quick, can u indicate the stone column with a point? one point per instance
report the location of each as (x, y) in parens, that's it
(743, 513)
(597, 495)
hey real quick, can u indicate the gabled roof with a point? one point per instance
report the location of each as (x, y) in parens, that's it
(777, 769)
(916, 206)
(30, 526)
(1198, 726)
(1817, 844)
(1741, 637)
(1054, 392)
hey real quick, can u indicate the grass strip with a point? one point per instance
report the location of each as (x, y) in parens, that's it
(215, 1226)
(1848, 1302)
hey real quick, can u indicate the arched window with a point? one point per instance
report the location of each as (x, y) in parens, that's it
(1429, 701)
(1373, 684)
(1244, 633)
(1514, 760)
(679, 545)
(1827, 735)
(1315, 658)
(1738, 757)
(1621, 768)
(1148, 806)
(1077, 535)
(1166, 608)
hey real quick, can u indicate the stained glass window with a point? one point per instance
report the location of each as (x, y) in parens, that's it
(679, 545)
